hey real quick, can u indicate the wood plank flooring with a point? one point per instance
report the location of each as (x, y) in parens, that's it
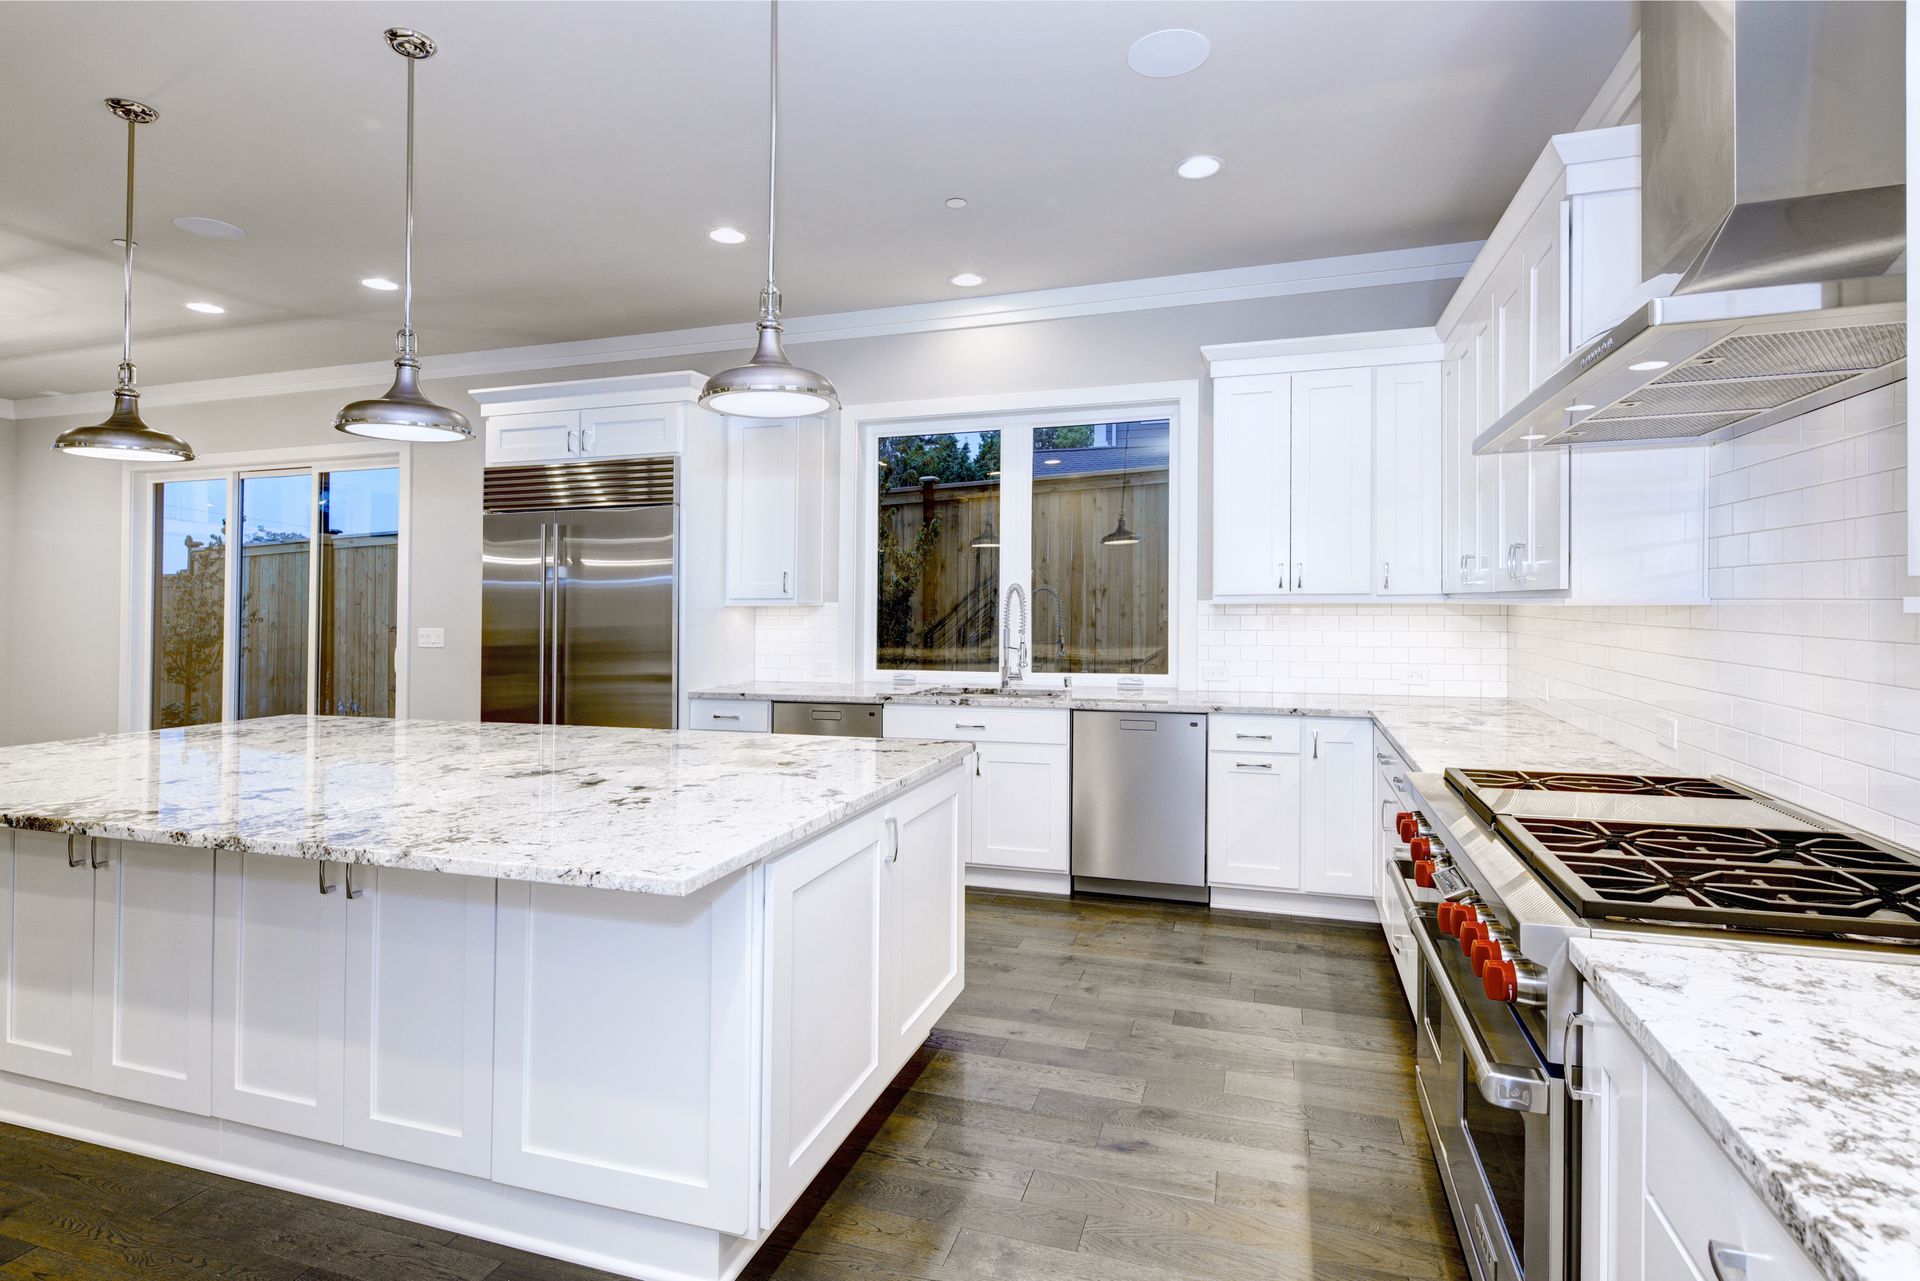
(1125, 1092)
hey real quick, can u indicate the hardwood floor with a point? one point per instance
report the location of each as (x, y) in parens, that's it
(1125, 1092)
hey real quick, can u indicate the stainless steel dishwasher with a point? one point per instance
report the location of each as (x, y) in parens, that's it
(1140, 804)
(835, 720)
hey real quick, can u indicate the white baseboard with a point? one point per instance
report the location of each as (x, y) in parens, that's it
(1005, 878)
(629, 1245)
(1326, 907)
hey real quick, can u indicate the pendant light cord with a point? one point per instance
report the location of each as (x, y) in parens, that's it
(770, 301)
(126, 243)
(406, 339)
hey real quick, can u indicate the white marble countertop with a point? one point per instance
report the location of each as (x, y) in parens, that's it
(1804, 1067)
(1432, 733)
(653, 811)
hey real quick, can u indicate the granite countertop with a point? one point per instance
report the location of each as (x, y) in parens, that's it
(1803, 1067)
(1431, 732)
(652, 811)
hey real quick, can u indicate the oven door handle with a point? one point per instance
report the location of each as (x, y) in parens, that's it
(1515, 1088)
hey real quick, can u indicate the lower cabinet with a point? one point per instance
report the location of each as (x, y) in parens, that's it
(1023, 807)
(1659, 1199)
(1336, 801)
(46, 958)
(152, 1004)
(1289, 809)
(1253, 819)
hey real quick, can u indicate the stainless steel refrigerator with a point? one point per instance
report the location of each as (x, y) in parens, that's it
(579, 588)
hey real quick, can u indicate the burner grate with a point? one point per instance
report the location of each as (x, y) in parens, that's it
(1614, 784)
(1749, 878)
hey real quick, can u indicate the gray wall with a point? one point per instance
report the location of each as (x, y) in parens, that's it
(61, 677)
(7, 612)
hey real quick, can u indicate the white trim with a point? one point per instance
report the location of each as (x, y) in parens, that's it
(677, 387)
(1272, 280)
(1325, 907)
(1325, 351)
(862, 425)
(1618, 95)
(8, 411)
(1058, 884)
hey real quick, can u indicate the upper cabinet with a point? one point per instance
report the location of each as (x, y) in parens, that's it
(1562, 264)
(1324, 458)
(596, 419)
(776, 511)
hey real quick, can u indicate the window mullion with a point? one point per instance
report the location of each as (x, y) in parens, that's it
(1016, 535)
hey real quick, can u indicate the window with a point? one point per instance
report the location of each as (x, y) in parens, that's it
(1076, 510)
(305, 615)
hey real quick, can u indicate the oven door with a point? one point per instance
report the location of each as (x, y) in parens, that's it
(1495, 1113)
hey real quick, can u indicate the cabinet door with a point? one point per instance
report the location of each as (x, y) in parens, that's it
(1408, 449)
(1485, 565)
(1251, 490)
(419, 1018)
(1332, 480)
(1253, 819)
(153, 974)
(763, 460)
(1023, 806)
(279, 984)
(628, 431)
(623, 1060)
(46, 958)
(826, 993)
(1456, 378)
(1549, 473)
(1612, 1153)
(926, 909)
(1336, 808)
(532, 438)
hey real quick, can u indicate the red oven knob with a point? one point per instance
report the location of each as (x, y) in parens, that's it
(1406, 824)
(1423, 873)
(1500, 980)
(1420, 847)
(1481, 954)
(1469, 933)
(1444, 914)
(1465, 916)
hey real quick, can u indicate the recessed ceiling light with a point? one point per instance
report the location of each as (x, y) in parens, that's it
(1648, 366)
(1198, 167)
(956, 202)
(207, 308)
(381, 283)
(727, 236)
(1534, 435)
(1173, 52)
(1050, 462)
(1578, 409)
(967, 280)
(211, 228)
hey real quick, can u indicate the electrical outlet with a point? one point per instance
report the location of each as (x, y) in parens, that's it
(823, 671)
(1668, 729)
(1213, 671)
(1416, 676)
(433, 638)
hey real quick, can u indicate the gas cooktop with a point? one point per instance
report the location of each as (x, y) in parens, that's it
(1695, 851)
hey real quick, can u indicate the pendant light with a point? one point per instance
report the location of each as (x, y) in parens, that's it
(769, 385)
(404, 413)
(1121, 535)
(986, 539)
(123, 435)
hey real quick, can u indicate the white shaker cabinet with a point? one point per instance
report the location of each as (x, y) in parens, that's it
(46, 957)
(1332, 477)
(925, 910)
(153, 974)
(1407, 452)
(776, 482)
(1253, 819)
(1252, 485)
(1336, 807)
(582, 435)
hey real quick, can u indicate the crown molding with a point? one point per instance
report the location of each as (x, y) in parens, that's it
(1619, 95)
(7, 413)
(1234, 284)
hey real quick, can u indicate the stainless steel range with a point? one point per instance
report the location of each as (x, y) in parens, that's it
(1503, 867)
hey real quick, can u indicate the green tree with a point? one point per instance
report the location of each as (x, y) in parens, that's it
(191, 617)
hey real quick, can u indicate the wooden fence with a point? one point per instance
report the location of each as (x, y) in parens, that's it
(1113, 599)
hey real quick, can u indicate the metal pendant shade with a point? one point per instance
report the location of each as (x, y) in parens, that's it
(1121, 535)
(986, 539)
(405, 413)
(769, 385)
(123, 435)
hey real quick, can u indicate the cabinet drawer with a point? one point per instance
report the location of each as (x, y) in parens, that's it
(1253, 733)
(1704, 1200)
(628, 430)
(741, 715)
(981, 724)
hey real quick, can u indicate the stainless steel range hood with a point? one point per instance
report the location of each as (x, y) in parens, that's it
(1772, 232)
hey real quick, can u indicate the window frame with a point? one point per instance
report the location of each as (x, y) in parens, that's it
(1016, 416)
(139, 567)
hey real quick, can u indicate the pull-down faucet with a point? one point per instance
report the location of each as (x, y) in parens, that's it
(1012, 661)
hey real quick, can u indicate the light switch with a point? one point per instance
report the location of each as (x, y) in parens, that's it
(433, 638)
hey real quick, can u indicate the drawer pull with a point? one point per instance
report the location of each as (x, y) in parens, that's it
(1730, 1263)
(1253, 765)
(964, 725)
(1140, 725)
(725, 716)
(1263, 738)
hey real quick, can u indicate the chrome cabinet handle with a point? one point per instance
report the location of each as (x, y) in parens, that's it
(964, 725)
(1253, 765)
(893, 839)
(1577, 1088)
(783, 582)
(586, 440)
(1514, 552)
(1298, 579)
(351, 892)
(1316, 745)
(1386, 824)
(1282, 584)
(73, 851)
(324, 887)
(1262, 738)
(570, 440)
(96, 852)
(1731, 1263)
(725, 716)
(1386, 575)
(1383, 758)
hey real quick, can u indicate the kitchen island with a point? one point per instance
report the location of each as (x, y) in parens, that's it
(613, 996)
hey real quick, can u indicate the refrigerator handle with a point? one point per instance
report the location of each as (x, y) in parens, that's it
(557, 645)
(540, 653)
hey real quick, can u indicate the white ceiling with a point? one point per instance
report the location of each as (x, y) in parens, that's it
(574, 155)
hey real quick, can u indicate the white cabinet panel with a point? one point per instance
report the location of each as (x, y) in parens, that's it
(1336, 808)
(1545, 567)
(980, 724)
(739, 715)
(775, 481)
(279, 983)
(926, 909)
(419, 1018)
(514, 439)
(1251, 485)
(826, 994)
(590, 1101)
(627, 431)
(1487, 559)
(1253, 819)
(1409, 445)
(153, 974)
(1332, 480)
(46, 957)
(1023, 807)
